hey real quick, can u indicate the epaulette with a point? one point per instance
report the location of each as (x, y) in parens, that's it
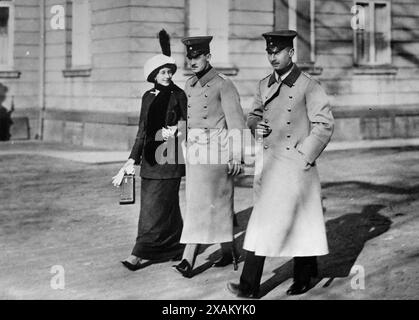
(310, 77)
(307, 75)
(266, 77)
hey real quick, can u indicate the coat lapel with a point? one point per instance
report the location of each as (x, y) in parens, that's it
(271, 92)
(274, 87)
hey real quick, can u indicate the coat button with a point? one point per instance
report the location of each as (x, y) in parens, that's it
(288, 122)
(205, 118)
(266, 147)
(189, 106)
(288, 136)
(189, 95)
(206, 96)
(189, 117)
(288, 148)
(290, 97)
(205, 107)
(266, 109)
(266, 121)
(289, 110)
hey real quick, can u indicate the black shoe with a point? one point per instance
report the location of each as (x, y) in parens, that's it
(235, 290)
(184, 268)
(298, 288)
(137, 266)
(227, 259)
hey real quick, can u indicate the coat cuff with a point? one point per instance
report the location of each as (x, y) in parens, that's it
(311, 148)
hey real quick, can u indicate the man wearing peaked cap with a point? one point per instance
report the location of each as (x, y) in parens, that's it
(279, 40)
(293, 122)
(196, 46)
(214, 111)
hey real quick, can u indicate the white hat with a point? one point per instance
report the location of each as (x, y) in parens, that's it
(155, 63)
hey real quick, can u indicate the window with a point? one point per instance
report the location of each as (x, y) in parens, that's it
(373, 33)
(211, 17)
(6, 34)
(298, 15)
(78, 38)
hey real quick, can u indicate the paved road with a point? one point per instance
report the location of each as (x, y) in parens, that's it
(57, 212)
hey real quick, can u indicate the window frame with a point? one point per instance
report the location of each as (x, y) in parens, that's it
(292, 24)
(76, 70)
(370, 28)
(225, 65)
(11, 35)
(285, 17)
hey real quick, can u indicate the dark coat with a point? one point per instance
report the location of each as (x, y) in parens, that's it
(145, 146)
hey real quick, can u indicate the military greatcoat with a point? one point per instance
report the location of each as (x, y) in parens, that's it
(213, 111)
(287, 218)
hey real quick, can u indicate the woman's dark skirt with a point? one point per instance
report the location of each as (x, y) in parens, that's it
(160, 223)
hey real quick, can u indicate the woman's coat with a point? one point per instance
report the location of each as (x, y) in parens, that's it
(170, 162)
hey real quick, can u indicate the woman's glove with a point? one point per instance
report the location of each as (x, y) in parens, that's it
(127, 168)
(168, 132)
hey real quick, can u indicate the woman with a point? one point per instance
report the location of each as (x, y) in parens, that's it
(160, 223)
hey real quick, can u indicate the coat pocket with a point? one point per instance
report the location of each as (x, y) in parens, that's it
(300, 158)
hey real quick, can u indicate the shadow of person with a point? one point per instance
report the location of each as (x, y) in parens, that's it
(346, 236)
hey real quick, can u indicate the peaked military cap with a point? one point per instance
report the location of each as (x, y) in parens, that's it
(279, 40)
(196, 46)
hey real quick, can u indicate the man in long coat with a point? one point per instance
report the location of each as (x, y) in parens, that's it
(292, 113)
(214, 112)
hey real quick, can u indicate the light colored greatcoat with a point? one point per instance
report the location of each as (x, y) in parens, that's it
(287, 218)
(213, 110)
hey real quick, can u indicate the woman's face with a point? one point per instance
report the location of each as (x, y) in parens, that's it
(164, 77)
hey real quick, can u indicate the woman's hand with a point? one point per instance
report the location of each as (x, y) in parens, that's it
(168, 132)
(128, 168)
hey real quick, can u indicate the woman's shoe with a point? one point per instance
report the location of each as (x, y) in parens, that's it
(139, 265)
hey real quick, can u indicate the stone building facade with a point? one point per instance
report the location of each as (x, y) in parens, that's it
(74, 67)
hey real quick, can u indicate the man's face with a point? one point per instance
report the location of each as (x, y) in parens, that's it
(199, 63)
(279, 59)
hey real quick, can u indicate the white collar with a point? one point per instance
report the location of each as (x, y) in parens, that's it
(283, 76)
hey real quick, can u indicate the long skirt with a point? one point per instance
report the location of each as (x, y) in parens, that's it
(160, 223)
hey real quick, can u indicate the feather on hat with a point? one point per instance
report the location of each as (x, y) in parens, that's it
(155, 63)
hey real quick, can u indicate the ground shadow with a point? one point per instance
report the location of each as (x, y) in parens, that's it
(346, 236)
